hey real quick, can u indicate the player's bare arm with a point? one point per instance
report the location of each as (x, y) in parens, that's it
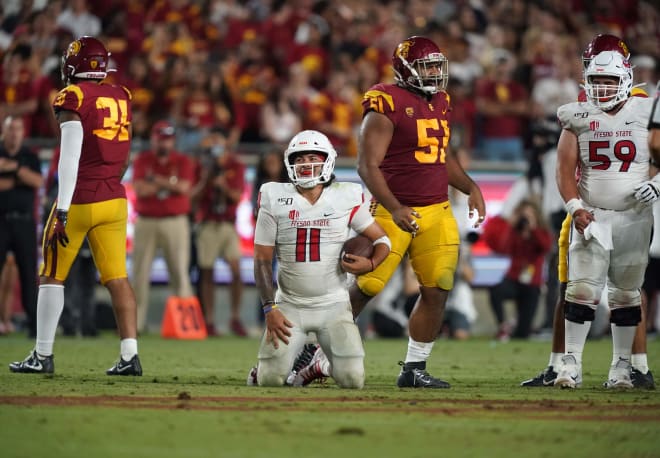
(375, 136)
(461, 181)
(277, 326)
(567, 163)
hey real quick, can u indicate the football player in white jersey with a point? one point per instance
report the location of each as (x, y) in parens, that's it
(606, 139)
(305, 224)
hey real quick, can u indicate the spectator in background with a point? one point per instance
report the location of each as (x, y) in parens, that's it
(79, 20)
(17, 95)
(502, 104)
(221, 187)
(525, 239)
(20, 178)
(162, 178)
(280, 117)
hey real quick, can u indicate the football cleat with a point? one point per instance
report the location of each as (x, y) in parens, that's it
(252, 377)
(570, 374)
(302, 360)
(546, 378)
(34, 364)
(122, 367)
(317, 369)
(414, 375)
(619, 376)
(641, 380)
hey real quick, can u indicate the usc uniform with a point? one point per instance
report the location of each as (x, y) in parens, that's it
(415, 171)
(98, 208)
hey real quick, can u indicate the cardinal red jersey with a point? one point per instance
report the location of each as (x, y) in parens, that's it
(414, 164)
(105, 114)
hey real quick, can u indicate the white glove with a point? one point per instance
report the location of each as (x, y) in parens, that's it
(647, 192)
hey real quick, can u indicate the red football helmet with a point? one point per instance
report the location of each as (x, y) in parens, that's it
(418, 63)
(604, 42)
(85, 58)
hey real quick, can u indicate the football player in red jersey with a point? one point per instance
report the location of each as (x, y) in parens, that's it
(641, 375)
(404, 160)
(95, 125)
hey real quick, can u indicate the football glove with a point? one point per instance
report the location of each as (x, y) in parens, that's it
(647, 192)
(59, 229)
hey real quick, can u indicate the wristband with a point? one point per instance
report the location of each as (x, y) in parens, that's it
(573, 205)
(385, 240)
(269, 306)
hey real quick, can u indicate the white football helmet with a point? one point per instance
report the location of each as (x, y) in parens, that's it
(607, 96)
(310, 141)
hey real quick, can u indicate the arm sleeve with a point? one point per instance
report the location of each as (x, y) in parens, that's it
(67, 170)
(265, 231)
(654, 120)
(361, 219)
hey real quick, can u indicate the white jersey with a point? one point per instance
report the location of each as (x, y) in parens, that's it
(309, 237)
(614, 152)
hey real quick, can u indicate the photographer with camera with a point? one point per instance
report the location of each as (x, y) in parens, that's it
(221, 186)
(525, 238)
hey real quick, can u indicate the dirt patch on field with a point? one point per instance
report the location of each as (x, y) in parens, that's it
(542, 409)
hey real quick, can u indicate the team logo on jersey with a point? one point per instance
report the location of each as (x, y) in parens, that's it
(410, 112)
(593, 125)
(294, 215)
(431, 107)
(285, 200)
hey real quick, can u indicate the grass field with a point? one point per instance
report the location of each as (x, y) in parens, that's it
(193, 402)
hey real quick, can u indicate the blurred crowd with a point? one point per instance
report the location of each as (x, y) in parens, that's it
(256, 72)
(264, 69)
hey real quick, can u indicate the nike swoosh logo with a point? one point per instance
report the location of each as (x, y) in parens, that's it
(630, 122)
(123, 368)
(327, 214)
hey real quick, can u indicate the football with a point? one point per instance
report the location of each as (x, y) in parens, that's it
(359, 246)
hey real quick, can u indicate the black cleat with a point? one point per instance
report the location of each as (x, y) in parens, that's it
(121, 367)
(33, 364)
(546, 378)
(414, 375)
(642, 381)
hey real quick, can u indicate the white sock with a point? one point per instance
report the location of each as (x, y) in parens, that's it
(128, 349)
(50, 303)
(576, 336)
(622, 339)
(555, 360)
(418, 351)
(639, 362)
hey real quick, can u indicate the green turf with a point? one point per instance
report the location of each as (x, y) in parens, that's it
(193, 402)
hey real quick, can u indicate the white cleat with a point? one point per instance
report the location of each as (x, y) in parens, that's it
(619, 376)
(570, 373)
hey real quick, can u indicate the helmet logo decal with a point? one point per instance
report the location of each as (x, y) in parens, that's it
(402, 50)
(74, 48)
(93, 64)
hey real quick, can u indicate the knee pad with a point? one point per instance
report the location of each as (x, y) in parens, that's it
(267, 377)
(583, 292)
(624, 298)
(578, 313)
(626, 316)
